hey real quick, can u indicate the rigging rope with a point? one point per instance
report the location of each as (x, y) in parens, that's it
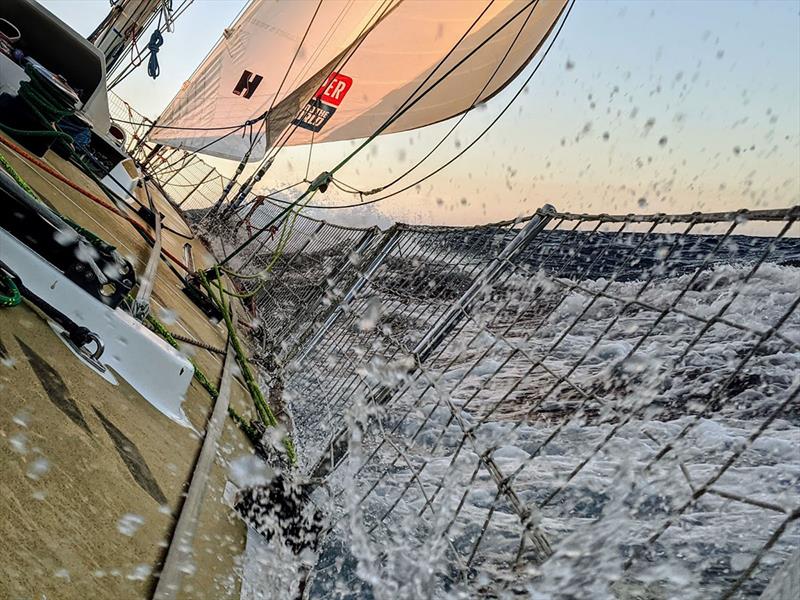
(463, 116)
(262, 407)
(457, 155)
(285, 234)
(47, 104)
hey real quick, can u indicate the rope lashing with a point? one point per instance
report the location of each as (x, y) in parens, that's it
(262, 407)
(155, 43)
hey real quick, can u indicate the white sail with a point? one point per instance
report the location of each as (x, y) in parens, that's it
(360, 61)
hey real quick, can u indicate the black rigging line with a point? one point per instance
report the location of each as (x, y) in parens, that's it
(466, 148)
(400, 110)
(156, 126)
(199, 150)
(289, 206)
(294, 58)
(286, 134)
(463, 116)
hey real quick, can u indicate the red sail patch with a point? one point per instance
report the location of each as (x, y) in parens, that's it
(322, 105)
(334, 89)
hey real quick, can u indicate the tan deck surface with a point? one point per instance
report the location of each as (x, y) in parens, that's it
(78, 455)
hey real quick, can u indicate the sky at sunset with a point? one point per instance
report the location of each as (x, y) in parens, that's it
(640, 107)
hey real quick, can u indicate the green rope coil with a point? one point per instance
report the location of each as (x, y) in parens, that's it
(9, 292)
(47, 105)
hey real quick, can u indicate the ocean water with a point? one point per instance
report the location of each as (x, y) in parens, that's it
(644, 415)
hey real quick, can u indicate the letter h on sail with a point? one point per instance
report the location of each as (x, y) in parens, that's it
(247, 84)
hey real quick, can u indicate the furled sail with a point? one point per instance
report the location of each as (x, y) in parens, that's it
(338, 69)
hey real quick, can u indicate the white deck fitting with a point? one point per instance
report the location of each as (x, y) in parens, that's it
(149, 364)
(121, 182)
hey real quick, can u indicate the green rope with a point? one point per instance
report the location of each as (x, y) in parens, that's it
(9, 292)
(46, 105)
(286, 233)
(246, 428)
(262, 407)
(37, 133)
(93, 238)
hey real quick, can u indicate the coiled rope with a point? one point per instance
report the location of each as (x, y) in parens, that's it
(46, 104)
(155, 43)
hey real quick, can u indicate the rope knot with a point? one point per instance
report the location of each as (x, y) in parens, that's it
(155, 43)
(322, 182)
